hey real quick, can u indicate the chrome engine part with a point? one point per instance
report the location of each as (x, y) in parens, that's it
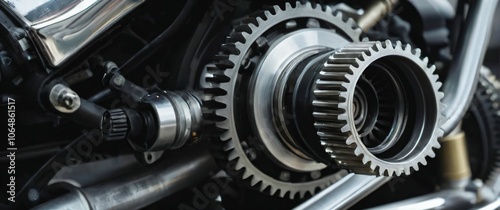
(277, 76)
(248, 104)
(310, 29)
(364, 114)
(63, 28)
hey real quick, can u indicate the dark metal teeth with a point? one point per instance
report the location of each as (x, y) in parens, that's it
(116, 125)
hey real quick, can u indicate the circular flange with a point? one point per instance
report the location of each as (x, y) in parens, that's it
(410, 130)
(226, 85)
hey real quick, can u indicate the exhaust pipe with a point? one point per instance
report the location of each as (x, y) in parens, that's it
(462, 78)
(139, 190)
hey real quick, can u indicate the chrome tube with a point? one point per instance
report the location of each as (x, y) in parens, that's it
(136, 191)
(461, 82)
(344, 193)
(447, 199)
(63, 27)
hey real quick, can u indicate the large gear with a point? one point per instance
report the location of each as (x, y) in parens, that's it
(480, 125)
(415, 106)
(222, 83)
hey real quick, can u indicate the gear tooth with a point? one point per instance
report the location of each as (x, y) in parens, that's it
(378, 46)
(239, 165)
(330, 11)
(350, 141)
(245, 27)
(438, 85)
(416, 168)
(399, 45)
(426, 60)
(398, 172)
(407, 171)
(432, 69)
(288, 6)
(364, 55)
(351, 22)
(232, 155)
(263, 186)
(408, 48)
(365, 160)
(268, 14)
(424, 161)
(388, 44)
(344, 107)
(254, 181)
(301, 194)
(337, 14)
(273, 190)
(246, 174)
(358, 61)
(344, 95)
(345, 129)
(417, 52)
(236, 37)
(440, 95)
(277, 8)
(431, 154)
(260, 20)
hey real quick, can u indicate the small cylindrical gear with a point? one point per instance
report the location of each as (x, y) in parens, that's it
(115, 125)
(377, 108)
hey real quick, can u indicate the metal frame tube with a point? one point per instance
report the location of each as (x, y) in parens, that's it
(344, 193)
(462, 78)
(139, 190)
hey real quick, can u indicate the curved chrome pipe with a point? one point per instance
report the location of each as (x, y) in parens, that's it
(461, 82)
(138, 190)
(344, 193)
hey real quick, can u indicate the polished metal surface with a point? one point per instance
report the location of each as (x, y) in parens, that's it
(287, 16)
(335, 89)
(489, 206)
(463, 75)
(294, 46)
(178, 117)
(446, 199)
(63, 99)
(166, 119)
(345, 193)
(138, 190)
(61, 28)
(87, 174)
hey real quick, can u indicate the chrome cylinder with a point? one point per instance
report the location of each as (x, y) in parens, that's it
(177, 116)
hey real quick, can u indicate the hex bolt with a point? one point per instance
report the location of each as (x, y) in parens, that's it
(64, 99)
(33, 195)
(118, 80)
(67, 99)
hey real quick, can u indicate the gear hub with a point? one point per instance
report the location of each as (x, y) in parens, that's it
(377, 108)
(297, 97)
